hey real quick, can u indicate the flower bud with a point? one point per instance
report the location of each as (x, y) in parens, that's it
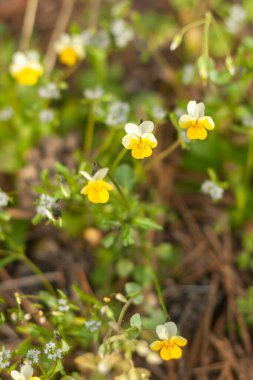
(230, 65)
(176, 42)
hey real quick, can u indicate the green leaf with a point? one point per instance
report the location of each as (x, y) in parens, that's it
(147, 224)
(135, 321)
(133, 290)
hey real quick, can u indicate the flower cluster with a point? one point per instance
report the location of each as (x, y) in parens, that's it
(211, 188)
(63, 305)
(94, 93)
(26, 68)
(45, 204)
(5, 356)
(49, 91)
(97, 189)
(122, 33)
(92, 325)
(52, 351)
(117, 113)
(170, 343)
(33, 355)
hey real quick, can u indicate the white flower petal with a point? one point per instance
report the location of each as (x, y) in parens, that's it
(86, 175)
(146, 127)
(200, 108)
(191, 108)
(171, 329)
(100, 174)
(27, 371)
(161, 332)
(132, 129)
(17, 375)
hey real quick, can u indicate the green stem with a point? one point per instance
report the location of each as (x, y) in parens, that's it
(89, 130)
(159, 294)
(220, 37)
(165, 153)
(208, 20)
(118, 159)
(192, 25)
(37, 271)
(107, 141)
(118, 188)
(123, 311)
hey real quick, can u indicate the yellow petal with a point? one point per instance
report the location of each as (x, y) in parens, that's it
(179, 340)
(157, 345)
(141, 150)
(175, 351)
(28, 76)
(85, 190)
(207, 122)
(68, 56)
(166, 352)
(186, 121)
(129, 141)
(196, 133)
(107, 186)
(150, 139)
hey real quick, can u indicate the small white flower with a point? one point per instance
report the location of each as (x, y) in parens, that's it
(188, 73)
(4, 199)
(211, 188)
(63, 305)
(94, 93)
(117, 113)
(45, 204)
(158, 112)
(33, 355)
(5, 356)
(6, 113)
(49, 91)
(46, 116)
(236, 18)
(101, 39)
(122, 33)
(53, 353)
(92, 325)
(26, 373)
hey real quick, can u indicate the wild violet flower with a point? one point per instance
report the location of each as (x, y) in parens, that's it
(140, 139)
(26, 68)
(170, 343)
(70, 49)
(195, 122)
(97, 189)
(26, 373)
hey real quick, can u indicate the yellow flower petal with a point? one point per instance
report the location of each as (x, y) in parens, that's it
(28, 76)
(97, 191)
(129, 141)
(150, 139)
(186, 121)
(166, 352)
(68, 56)
(141, 150)
(196, 132)
(207, 122)
(157, 345)
(179, 340)
(175, 351)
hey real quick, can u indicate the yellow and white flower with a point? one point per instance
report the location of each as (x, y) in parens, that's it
(195, 122)
(169, 343)
(26, 373)
(26, 68)
(140, 139)
(70, 49)
(97, 190)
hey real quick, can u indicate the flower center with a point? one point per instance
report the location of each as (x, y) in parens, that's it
(68, 56)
